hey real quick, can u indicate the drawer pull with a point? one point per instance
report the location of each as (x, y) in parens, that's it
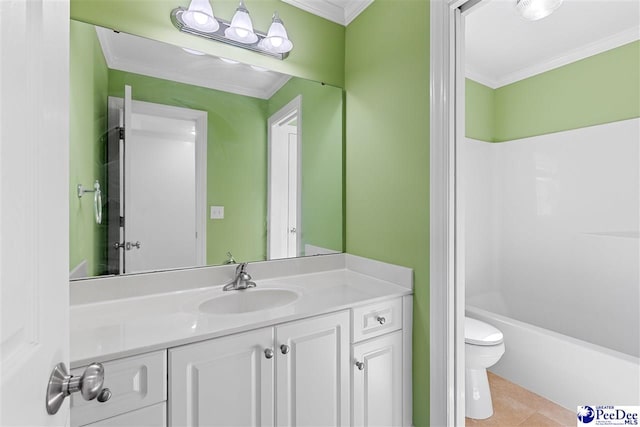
(284, 349)
(104, 395)
(268, 353)
(360, 366)
(381, 320)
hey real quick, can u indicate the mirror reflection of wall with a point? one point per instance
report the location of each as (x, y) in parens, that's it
(237, 146)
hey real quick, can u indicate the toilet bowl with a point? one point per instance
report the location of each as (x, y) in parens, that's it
(483, 348)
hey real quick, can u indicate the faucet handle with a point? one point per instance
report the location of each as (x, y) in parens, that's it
(241, 268)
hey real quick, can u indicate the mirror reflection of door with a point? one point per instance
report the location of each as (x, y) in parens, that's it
(284, 223)
(159, 165)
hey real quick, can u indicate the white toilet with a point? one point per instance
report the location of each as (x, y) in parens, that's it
(483, 348)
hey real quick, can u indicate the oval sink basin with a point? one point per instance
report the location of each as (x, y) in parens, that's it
(248, 300)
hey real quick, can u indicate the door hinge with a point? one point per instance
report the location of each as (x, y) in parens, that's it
(121, 221)
(121, 133)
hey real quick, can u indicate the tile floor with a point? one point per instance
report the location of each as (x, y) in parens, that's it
(516, 406)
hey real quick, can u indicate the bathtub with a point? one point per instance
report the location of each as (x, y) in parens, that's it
(563, 369)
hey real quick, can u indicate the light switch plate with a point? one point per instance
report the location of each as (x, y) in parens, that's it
(217, 212)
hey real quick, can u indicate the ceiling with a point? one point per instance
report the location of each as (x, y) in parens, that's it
(502, 47)
(156, 59)
(338, 11)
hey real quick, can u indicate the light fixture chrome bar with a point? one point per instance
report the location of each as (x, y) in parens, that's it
(219, 36)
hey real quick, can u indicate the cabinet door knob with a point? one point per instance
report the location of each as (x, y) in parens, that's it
(268, 353)
(284, 349)
(360, 365)
(104, 395)
(381, 320)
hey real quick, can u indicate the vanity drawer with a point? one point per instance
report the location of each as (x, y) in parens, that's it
(376, 319)
(151, 416)
(135, 382)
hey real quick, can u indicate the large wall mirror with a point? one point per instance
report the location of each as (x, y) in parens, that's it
(180, 159)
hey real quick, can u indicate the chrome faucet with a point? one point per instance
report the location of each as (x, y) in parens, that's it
(242, 280)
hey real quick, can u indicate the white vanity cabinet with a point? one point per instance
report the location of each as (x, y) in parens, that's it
(226, 381)
(230, 381)
(377, 381)
(380, 368)
(312, 386)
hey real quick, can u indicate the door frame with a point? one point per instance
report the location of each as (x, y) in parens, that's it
(447, 285)
(200, 117)
(292, 107)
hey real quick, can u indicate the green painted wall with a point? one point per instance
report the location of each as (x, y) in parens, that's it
(88, 113)
(387, 155)
(318, 52)
(236, 159)
(600, 89)
(479, 111)
(322, 162)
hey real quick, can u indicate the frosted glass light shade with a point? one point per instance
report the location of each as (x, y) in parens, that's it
(241, 28)
(537, 9)
(277, 40)
(200, 17)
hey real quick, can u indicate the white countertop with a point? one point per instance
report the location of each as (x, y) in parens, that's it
(118, 328)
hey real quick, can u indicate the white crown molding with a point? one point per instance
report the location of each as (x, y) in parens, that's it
(327, 9)
(355, 8)
(276, 86)
(105, 45)
(131, 66)
(608, 43)
(321, 8)
(474, 75)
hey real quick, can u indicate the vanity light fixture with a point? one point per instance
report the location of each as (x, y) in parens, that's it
(533, 10)
(200, 17)
(199, 20)
(277, 39)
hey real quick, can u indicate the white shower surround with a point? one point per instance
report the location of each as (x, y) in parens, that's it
(552, 235)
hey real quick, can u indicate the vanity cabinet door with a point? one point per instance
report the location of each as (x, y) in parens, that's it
(377, 381)
(223, 382)
(312, 382)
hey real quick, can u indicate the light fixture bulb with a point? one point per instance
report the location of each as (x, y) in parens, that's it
(200, 17)
(228, 61)
(193, 51)
(277, 40)
(534, 10)
(241, 27)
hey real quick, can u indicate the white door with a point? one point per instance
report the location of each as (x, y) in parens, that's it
(377, 381)
(312, 371)
(223, 382)
(285, 219)
(34, 215)
(164, 186)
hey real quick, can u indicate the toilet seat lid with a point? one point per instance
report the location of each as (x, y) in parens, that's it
(480, 333)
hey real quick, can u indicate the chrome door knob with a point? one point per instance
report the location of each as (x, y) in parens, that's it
(61, 385)
(268, 353)
(284, 349)
(360, 365)
(381, 320)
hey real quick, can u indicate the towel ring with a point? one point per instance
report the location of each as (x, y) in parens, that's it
(97, 199)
